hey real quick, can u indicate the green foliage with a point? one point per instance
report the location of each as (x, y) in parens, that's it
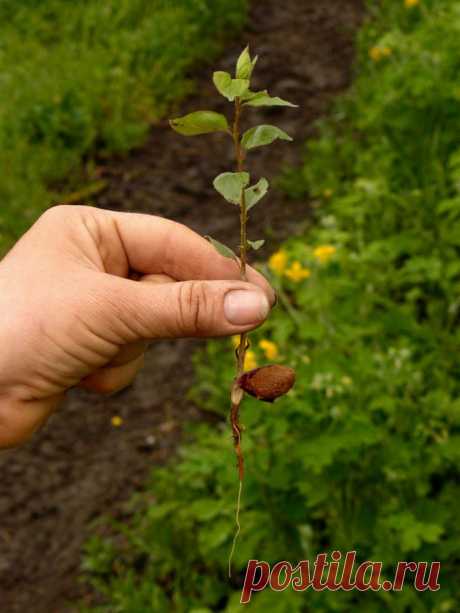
(83, 75)
(245, 65)
(262, 135)
(199, 122)
(264, 99)
(228, 87)
(256, 245)
(364, 452)
(255, 193)
(230, 185)
(222, 249)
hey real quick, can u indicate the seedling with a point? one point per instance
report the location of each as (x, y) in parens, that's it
(268, 382)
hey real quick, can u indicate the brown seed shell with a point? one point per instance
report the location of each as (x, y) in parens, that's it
(267, 382)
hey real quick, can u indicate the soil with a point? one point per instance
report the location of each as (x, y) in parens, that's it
(80, 466)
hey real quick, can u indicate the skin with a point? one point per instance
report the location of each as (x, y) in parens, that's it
(84, 291)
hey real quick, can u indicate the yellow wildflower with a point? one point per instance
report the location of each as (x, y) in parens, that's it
(297, 272)
(117, 421)
(277, 262)
(324, 253)
(235, 341)
(328, 193)
(345, 380)
(269, 348)
(250, 360)
(387, 51)
(375, 53)
(410, 3)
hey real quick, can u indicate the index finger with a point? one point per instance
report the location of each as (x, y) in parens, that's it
(154, 245)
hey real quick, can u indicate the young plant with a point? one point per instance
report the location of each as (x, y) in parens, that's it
(268, 382)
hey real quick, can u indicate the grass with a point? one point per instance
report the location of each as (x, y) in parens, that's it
(76, 77)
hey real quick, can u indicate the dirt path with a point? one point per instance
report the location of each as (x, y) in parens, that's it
(80, 466)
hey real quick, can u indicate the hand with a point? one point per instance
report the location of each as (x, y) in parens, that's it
(84, 290)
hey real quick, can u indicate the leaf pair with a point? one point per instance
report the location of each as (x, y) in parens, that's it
(204, 122)
(229, 253)
(239, 88)
(231, 186)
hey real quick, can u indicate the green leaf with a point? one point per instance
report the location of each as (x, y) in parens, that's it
(231, 184)
(228, 87)
(256, 244)
(245, 65)
(262, 135)
(264, 99)
(222, 81)
(249, 95)
(222, 249)
(255, 193)
(199, 122)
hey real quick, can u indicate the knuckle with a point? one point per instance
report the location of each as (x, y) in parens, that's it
(56, 219)
(195, 308)
(60, 211)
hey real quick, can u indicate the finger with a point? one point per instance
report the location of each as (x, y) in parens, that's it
(156, 245)
(143, 243)
(132, 351)
(20, 419)
(128, 353)
(157, 279)
(112, 379)
(130, 311)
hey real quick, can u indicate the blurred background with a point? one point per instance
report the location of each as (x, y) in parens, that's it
(126, 504)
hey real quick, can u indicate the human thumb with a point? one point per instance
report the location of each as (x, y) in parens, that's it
(184, 309)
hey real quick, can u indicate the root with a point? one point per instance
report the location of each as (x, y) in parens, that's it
(238, 529)
(237, 397)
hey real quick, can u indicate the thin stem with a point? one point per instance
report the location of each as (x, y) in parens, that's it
(237, 392)
(238, 528)
(243, 344)
(239, 156)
